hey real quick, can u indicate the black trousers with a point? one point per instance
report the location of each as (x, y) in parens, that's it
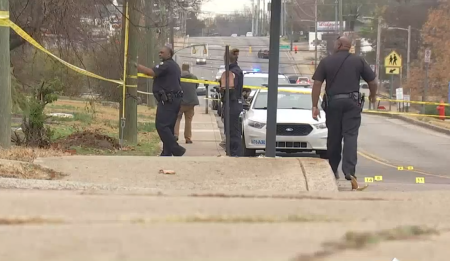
(343, 119)
(166, 118)
(235, 128)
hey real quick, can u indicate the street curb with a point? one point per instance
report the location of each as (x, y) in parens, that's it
(415, 122)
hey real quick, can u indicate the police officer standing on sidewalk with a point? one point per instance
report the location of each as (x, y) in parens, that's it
(168, 93)
(342, 103)
(236, 83)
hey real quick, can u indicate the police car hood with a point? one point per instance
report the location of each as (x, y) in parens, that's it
(294, 116)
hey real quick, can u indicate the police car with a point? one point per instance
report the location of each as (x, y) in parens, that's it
(296, 130)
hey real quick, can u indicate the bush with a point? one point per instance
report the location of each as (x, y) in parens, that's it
(33, 123)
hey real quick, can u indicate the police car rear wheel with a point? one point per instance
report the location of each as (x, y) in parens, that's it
(247, 152)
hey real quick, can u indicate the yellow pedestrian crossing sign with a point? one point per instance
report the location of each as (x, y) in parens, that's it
(392, 70)
(393, 60)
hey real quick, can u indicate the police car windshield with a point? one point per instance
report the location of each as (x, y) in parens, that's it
(286, 100)
(259, 81)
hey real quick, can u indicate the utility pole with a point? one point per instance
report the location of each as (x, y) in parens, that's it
(263, 22)
(130, 130)
(377, 63)
(408, 56)
(171, 24)
(258, 7)
(341, 23)
(5, 80)
(272, 95)
(150, 47)
(282, 17)
(315, 32)
(253, 17)
(336, 7)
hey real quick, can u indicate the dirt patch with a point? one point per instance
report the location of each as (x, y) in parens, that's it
(20, 170)
(361, 240)
(92, 139)
(29, 154)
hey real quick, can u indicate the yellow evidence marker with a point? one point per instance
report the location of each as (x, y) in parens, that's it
(378, 178)
(368, 179)
(420, 180)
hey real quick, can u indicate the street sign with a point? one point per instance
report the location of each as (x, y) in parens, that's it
(393, 60)
(392, 70)
(407, 98)
(427, 55)
(285, 46)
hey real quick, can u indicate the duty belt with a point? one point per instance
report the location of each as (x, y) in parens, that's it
(344, 96)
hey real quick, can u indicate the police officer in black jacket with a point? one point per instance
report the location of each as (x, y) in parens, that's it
(236, 105)
(342, 104)
(168, 93)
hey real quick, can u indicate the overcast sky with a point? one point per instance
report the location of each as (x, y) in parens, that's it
(224, 6)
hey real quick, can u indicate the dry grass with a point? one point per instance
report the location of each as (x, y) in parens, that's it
(361, 240)
(20, 170)
(28, 221)
(29, 154)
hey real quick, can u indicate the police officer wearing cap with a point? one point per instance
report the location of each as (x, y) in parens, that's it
(168, 93)
(342, 103)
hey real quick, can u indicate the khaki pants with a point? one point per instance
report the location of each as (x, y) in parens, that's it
(188, 111)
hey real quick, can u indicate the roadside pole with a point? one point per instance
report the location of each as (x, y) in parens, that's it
(425, 90)
(150, 46)
(315, 33)
(5, 80)
(227, 99)
(272, 95)
(130, 130)
(391, 92)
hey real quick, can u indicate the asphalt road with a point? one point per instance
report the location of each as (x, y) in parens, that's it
(385, 144)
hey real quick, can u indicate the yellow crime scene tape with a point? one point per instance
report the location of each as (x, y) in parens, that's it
(5, 22)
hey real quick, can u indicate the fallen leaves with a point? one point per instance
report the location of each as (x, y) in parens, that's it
(167, 172)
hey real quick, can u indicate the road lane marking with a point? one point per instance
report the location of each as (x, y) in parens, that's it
(385, 163)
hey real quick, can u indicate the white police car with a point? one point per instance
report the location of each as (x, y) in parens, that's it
(297, 131)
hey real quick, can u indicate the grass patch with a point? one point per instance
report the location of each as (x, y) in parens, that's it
(28, 221)
(98, 133)
(361, 240)
(235, 219)
(146, 127)
(19, 170)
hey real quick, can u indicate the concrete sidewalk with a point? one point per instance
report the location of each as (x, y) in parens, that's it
(206, 135)
(69, 226)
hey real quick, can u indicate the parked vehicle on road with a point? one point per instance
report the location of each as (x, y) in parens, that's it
(264, 54)
(296, 130)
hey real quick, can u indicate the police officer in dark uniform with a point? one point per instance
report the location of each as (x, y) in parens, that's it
(236, 105)
(342, 104)
(168, 93)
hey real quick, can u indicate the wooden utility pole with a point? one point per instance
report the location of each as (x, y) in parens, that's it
(150, 48)
(130, 130)
(5, 80)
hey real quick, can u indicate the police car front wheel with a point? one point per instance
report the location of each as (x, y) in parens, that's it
(322, 154)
